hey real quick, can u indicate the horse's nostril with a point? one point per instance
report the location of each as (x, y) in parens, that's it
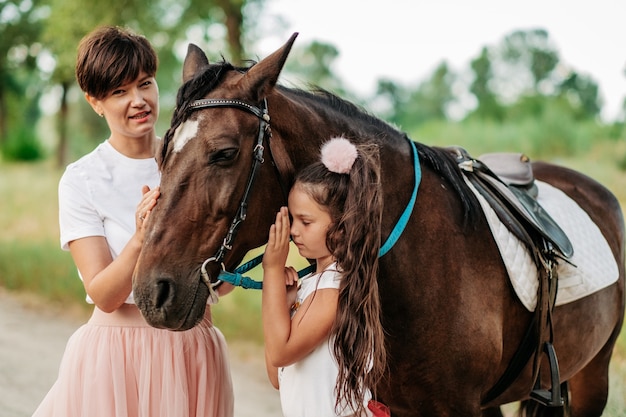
(164, 293)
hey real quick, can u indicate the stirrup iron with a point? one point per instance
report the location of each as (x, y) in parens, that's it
(549, 397)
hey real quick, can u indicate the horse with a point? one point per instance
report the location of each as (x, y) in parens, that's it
(452, 321)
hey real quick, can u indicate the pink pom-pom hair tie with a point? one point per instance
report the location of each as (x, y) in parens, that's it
(338, 155)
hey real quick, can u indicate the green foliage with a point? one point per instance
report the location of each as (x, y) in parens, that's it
(513, 80)
(429, 101)
(488, 106)
(42, 268)
(521, 76)
(617, 131)
(582, 93)
(622, 163)
(313, 63)
(518, 79)
(552, 133)
(238, 315)
(530, 51)
(20, 27)
(23, 145)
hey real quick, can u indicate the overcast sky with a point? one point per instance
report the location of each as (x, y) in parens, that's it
(404, 40)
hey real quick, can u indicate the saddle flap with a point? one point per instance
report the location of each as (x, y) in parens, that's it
(534, 213)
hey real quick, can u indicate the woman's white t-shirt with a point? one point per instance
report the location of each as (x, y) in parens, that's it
(307, 387)
(99, 194)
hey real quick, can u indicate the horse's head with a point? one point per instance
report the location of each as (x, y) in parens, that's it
(211, 164)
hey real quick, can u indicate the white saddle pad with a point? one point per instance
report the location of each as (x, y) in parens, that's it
(594, 266)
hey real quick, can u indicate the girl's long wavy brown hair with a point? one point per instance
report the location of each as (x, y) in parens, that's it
(354, 201)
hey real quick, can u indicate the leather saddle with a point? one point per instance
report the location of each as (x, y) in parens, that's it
(507, 182)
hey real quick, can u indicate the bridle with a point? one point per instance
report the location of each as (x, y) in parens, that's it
(257, 160)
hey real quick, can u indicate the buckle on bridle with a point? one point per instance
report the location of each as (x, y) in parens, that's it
(205, 275)
(258, 152)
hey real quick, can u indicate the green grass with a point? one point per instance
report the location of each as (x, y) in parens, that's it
(40, 268)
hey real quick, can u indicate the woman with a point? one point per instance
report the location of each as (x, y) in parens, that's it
(116, 364)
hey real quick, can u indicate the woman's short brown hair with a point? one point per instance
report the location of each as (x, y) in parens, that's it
(110, 57)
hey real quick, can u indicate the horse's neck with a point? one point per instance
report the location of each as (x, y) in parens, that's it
(304, 126)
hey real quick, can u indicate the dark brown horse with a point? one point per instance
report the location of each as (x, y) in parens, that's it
(452, 319)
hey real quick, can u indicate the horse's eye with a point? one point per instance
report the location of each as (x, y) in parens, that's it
(223, 156)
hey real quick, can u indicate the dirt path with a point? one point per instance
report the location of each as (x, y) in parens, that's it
(32, 341)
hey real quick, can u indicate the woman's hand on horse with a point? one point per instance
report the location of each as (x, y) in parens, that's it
(144, 208)
(277, 248)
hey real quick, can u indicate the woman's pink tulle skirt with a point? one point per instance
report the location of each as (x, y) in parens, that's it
(117, 365)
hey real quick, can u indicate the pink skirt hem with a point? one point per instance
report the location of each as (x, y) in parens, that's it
(116, 365)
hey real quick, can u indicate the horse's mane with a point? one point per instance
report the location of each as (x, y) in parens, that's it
(323, 100)
(443, 162)
(438, 159)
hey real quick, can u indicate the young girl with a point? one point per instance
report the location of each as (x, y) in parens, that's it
(324, 342)
(117, 365)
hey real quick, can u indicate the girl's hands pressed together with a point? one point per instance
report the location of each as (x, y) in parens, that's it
(277, 248)
(276, 254)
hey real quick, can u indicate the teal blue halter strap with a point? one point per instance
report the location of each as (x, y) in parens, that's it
(236, 278)
(404, 218)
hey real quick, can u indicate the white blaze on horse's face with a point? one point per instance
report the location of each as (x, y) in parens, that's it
(184, 133)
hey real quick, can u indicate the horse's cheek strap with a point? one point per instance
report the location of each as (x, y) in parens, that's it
(282, 163)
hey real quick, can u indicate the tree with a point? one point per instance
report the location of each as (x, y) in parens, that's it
(233, 20)
(488, 106)
(20, 26)
(524, 64)
(519, 78)
(68, 22)
(582, 93)
(429, 101)
(313, 62)
(164, 22)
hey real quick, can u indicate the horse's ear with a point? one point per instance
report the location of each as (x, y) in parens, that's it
(194, 61)
(262, 77)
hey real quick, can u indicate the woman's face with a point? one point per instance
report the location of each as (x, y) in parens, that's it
(309, 225)
(131, 110)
